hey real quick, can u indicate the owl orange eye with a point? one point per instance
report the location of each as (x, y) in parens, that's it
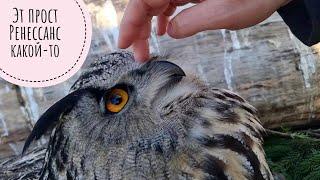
(116, 100)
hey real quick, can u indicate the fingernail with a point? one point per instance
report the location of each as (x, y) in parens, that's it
(161, 33)
(172, 29)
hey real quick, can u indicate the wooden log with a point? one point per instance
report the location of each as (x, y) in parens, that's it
(266, 65)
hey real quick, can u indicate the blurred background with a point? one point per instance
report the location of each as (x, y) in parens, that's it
(265, 64)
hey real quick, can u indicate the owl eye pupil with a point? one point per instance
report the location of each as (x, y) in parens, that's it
(116, 99)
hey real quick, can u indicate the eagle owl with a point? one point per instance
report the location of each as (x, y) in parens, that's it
(124, 120)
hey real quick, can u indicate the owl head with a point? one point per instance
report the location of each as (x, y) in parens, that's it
(127, 119)
(118, 101)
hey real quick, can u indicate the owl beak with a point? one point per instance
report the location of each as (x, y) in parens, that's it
(164, 74)
(164, 71)
(163, 68)
(170, 68)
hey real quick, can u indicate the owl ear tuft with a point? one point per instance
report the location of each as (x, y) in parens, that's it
(51, 117)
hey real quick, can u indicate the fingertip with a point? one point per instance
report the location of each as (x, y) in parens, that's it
(141, 51)
(173, 30)
(141, 58)
(122, 45)
(161, 33)
(162, 25)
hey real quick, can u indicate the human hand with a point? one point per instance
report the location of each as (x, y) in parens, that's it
(135, 26)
